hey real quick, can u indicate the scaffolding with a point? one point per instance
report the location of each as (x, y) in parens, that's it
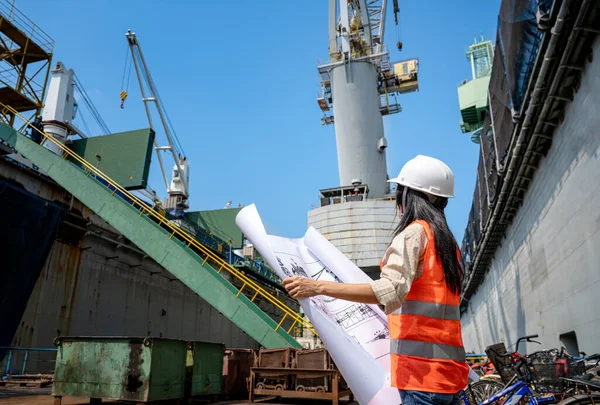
(480, 55)
(25, 61)
(393, 79)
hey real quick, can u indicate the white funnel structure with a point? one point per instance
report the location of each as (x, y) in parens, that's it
(359, 86)
(359, 127)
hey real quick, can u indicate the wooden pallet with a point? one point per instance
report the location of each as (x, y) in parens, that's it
(334, 392)
(25, 383)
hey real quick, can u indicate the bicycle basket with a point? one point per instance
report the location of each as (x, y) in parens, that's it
(575, 368)
(546, 374)
(502, 361)
(547, 371)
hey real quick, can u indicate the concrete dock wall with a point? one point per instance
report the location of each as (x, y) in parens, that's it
(545, 276)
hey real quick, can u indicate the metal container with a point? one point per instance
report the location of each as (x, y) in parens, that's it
(207, 367)
(275, 358)
(122, 368)
(317, 359)
(236, 372)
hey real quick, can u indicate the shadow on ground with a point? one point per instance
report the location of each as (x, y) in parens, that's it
(41, 396)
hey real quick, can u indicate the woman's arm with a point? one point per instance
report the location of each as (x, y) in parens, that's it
(398, 273)
(300, 287)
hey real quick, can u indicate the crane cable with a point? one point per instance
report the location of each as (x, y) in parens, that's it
(85, 125)
(398, 28)
(125, 83)
(90, 105)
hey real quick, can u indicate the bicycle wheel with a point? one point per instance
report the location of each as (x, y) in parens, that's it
(481, 390)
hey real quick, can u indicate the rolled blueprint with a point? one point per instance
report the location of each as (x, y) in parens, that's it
(332, 319)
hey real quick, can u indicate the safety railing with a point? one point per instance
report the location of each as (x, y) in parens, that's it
(28, 27)
(208, 256)
(256, 267)
(18, 354)
(219, 245)
(9, 78)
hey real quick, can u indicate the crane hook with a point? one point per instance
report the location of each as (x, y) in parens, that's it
(123, 95)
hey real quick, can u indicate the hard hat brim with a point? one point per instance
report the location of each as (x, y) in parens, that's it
(400, 182)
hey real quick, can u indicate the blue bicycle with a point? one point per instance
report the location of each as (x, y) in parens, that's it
(512, 394)
(534, 379)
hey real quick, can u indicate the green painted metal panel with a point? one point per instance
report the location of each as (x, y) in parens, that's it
(207, 366)
(173, 255)
(167, 372)
(124, 157)
(133, 369)
(472, 98)
(219, 222)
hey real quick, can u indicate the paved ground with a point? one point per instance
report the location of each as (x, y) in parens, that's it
(32, 396)
(35, 396)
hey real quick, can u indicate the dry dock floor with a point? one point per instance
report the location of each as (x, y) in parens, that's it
(41, 396)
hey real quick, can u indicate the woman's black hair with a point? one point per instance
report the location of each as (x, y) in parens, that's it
(419, 207)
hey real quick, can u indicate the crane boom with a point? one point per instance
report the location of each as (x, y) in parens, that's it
(376, 10)
(150, 95)
(356, 24)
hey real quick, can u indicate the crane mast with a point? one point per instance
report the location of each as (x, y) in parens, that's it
(359, 86)
(178, 188)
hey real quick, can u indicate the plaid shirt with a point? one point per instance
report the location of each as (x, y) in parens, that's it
(402, 265)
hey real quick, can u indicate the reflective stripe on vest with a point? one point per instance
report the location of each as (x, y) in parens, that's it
(427, 350)
(430, 309)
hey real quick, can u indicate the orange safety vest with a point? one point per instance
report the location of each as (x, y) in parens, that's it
(427, 350)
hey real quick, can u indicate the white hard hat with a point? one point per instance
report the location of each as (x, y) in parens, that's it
(427, 174)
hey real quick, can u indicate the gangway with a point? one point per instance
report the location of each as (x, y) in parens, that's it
(181, 254)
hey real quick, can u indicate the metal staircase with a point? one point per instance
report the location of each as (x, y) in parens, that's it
(178, 252)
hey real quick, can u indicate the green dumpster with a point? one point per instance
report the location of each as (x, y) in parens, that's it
(122, 368)
(206, 360)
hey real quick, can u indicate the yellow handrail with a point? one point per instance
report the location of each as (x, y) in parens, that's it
(222, 264)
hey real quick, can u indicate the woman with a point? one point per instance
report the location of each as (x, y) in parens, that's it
(419, 289)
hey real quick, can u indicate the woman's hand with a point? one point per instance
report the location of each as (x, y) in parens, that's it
(300, 287)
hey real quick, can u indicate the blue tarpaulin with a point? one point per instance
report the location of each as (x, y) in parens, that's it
(518, 40)
(29, 226)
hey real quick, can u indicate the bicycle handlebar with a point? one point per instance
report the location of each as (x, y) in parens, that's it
(528, 339)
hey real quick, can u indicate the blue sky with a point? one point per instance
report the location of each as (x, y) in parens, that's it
(239, 82)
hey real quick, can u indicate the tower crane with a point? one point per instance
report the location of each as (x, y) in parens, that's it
(359, 86)
(178, 188)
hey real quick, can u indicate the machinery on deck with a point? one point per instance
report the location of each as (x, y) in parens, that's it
(177, 189)
(65, 92)
(473, 94)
